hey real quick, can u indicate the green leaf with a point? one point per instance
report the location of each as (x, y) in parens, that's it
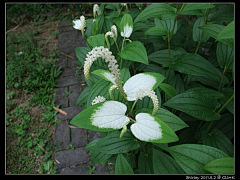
(196, 6)
(97, 40)
(224, 165)
(218, 140)
(159, 10)
(164, 164)
(97, 156)
(194, 64)
(197, 33)
(196, 105)
(225, 13)
(126, 25)
(150, 128)
(228, 92)
(145, 163)
(135, 51)
(122, 166)
(81, 53)
(156, 31)
(207, 92)
(167, 24)
(100, 88)
(168, 89)
(105, 74)
(103, 117)
(82, 98)
(142, 80)
(193, 157)
(227, 32)
(113, 144)
(213, 30)
(224, 55)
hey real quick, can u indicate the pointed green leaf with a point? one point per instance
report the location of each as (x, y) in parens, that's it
(196, 105)
(224, 165)
(225, 13)
(105, 74)
(102, 117)
(227, 32)
(168, 89)
(156, 31)
(164, 164)
(122, 166)
(195, 6)
(207, 92)
(82, 98)
(194, 64)
(159, 10)
(228, 92)
(97, 40)
(151, 129)
(213, 30)
(193, 157)
(145, 165)
(197, 33)
(142, 80)
(167, 24)
(217, 139)
(126, 25)
(113, 144)
(81, 53)
(135, 51)
(224, 55)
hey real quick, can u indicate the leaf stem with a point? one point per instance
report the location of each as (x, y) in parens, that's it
(199, 42)
(133, 106)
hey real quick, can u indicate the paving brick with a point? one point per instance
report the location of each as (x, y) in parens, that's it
(75, 92)
(66, 28)
(62, 137)
(61, 61)
(99, 169)
(67, 81)
(68, 71)
(72, 62)
(64, 23)
(61, 97)
(79, 137)
(71, 157)
(93, 135)
(71, 112)
(80, 169)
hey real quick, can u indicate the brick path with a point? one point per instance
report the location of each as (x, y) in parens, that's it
(72, 161)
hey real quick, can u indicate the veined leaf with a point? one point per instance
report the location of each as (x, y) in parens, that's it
(81, 53)
(105, 75)
(167, 24)
(196, 105)
(142, 80)
(194, 64)
(97, 40)
(217, 139)
(207, 92)
(83, 96)
(224, 55)
(157, 31)
(168, 89)
(151, 129)
(164, 164)
(122, 166)
(135, 51)
(224, 165)
(194, 6)
(145, 165)
(225, 13)
(213, 30)
(227, 32)
(197, 33)
(193, 157)
(228, 92)
(97, 156)
(159, 10)
(113, 144)
(102, 117)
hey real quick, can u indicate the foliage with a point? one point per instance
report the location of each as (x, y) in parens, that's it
(161, 111)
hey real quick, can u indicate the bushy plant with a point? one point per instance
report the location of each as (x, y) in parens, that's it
(160, 87)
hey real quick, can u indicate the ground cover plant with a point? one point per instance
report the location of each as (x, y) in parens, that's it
(31, 73)
(160, 87)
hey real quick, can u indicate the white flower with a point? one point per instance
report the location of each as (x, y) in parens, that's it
(114, 32)
(123, 4)
(98, 99)
(79, 24)
(96, 9)
(127, 31)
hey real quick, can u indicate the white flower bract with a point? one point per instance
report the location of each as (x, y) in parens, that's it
(96, 9)
(127, 31)
(79, 24)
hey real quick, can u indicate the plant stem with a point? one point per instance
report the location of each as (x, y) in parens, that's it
(121, 51)
(133, 106)
(199, 43)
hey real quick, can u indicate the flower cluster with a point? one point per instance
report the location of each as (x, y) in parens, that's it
(96, 9)
(141, 93)
(98, 99)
